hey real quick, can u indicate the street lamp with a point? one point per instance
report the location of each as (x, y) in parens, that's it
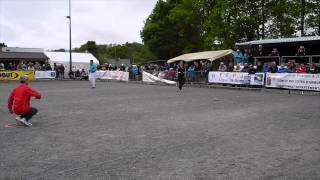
(70, 50)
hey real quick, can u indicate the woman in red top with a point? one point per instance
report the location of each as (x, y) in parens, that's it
(19, 101)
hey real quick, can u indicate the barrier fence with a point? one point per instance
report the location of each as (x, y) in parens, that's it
(305, 82)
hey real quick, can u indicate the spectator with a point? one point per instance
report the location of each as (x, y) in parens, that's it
(19, 66)
(238, 57)
(30, 66)
(122, 68)
(313, 69)
(2, 67)
(250, 57)
(77, 74)
(191, 73)
(230, 67)
(301, 69)
(259, 67)
(171, 74)
(135, 71)
(62, 71)
(238, 68)
(260, 51)
(274, 52)
(273, 67)
(83, 75)
(222, 67)
(301, 51)
(37, 66)
(282, 69)
(266, 68)
(24, 67)
(245, 56)
(251, 69)
(291, 67)
(245, 68)
(48, 67)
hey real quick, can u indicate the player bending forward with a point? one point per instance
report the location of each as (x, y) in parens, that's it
(19, 102)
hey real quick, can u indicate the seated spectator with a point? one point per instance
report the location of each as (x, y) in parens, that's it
(230, 67)
(222, 67)
(37, 66)
(251, 69)
(245, 68)
(237, 68)
(11, 67)
(259, 67)
(122, 68)
(84, 75)
(291, 67)
(273, 67)
(77, 74)
(301, 69)
(282, 69)
(2, 67)
(266, 68)
(313, 69)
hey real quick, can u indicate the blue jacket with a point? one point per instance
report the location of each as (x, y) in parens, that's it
(238, 57)
(282, 70)
(92, 68)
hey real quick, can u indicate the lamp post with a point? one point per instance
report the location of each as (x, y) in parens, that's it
(70, 47)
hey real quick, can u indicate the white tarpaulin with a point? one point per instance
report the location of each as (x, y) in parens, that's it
(45, 74)
(293, 81)
(209, 55)
(113, 75)
(147, 77)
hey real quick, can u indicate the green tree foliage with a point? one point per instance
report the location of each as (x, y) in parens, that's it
(181, 26)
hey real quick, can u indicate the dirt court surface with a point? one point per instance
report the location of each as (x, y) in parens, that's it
(133, 131)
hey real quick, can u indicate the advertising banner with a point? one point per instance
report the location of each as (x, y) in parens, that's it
(236, 78)
(15, 75)
(293, 81)
(45, 74)
(113, 75)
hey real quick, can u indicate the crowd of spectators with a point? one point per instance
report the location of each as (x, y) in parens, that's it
(25, 66)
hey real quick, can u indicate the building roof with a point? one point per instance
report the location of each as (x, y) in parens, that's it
(23, 56)
(282, 40)
(209, 55)
(119, 62)
(63, 57)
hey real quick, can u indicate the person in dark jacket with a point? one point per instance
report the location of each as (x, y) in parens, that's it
(181, 75)
(19, 102)
(273, 67)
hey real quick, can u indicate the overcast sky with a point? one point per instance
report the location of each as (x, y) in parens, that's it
(43, 23)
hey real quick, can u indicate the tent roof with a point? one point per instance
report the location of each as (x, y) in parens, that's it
(209, 55)
(282, 40)
(61, 57)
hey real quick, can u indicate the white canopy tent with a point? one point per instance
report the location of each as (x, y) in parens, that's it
(79, 60)
(208, 55)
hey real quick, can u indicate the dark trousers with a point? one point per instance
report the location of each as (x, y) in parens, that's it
(181, 80)
(31, 113)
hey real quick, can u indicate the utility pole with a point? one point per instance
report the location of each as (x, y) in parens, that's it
(70, 45)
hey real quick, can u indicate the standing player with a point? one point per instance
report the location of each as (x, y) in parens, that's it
(92, 74)
(19, 101)
(181, 75)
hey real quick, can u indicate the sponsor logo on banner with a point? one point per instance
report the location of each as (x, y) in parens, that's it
(45, 74)
(15, 75)
(294, 81)
(113, 75)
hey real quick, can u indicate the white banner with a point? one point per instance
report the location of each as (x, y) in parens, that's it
(45, 74)
(147, 77)
(294, 81)
(113, 75)
(236, 78)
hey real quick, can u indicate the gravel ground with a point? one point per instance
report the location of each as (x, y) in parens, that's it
(134, 131)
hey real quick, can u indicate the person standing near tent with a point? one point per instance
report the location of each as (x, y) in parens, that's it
(92, 74)
(19, 102)
(181, 75)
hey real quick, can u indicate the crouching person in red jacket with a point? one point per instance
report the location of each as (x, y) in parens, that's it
(19, 102)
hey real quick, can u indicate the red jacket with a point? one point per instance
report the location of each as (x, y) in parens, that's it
(19, 99)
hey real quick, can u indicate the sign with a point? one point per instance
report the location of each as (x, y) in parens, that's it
(45, 74)
(113, 75)
(147, 77)
(236, 78)
(15, 75)
(293, 81)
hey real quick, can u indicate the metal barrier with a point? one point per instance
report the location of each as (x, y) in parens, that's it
(297, 59)
(267, 59)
